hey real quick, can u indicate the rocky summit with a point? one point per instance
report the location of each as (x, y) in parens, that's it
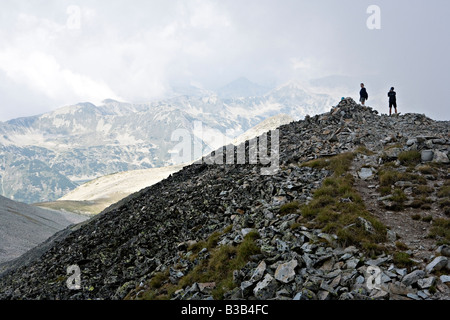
(358, 209)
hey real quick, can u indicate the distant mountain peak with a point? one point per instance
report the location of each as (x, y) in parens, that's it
(292, 85)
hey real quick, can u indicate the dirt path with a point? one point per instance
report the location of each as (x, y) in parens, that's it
(412, 233)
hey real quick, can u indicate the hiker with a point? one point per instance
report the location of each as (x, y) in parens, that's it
(392, 100)
(363, 95)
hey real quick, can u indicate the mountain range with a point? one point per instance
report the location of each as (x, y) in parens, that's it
(44, 157)
(94, 196)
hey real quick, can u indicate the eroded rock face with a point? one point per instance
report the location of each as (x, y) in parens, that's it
(151, 231)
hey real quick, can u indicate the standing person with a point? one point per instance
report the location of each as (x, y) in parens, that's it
(392, 100)
(363, 95)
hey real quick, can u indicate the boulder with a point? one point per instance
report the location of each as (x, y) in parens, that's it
(437, 264)
(266, 288)
(392, 153)
(444, 250)
(259, 271)
(413, 277)
(426, 282)
(426, 155)
(286, 272)
(440, 157)
(445, 278)
(365, 173)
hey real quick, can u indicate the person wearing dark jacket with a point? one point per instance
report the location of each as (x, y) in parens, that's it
(392, 100)
(363, 95)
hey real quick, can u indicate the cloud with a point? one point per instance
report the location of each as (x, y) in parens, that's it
(71, 51)
(41, 72)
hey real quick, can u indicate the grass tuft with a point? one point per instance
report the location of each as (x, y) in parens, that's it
(336, 207)
(290, 207)
(440, 230)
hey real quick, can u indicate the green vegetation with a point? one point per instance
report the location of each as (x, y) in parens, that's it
(408, 158)
(444, 197)
(426, 169)
(421, 202)
(388, 177)
(295, 225)
(423, 189)
(363, 150)
(221, 263)
(338, 164)
(398, 198)
(218, 267)
(79, 207)
(440, 230)
(401, 246)
(444, 192)
(290, 207)
(402, 260)
(337, 208)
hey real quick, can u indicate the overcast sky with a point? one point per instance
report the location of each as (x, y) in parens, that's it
(57, 52)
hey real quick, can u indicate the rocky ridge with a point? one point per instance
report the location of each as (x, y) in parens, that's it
(153, 232)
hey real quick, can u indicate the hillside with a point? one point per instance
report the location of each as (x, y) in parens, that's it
(23, 227)
(355, 192)
(94, 196)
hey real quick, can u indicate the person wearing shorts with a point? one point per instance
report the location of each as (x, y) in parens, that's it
(392, 100)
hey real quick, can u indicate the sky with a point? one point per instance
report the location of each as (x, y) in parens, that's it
(57, 52)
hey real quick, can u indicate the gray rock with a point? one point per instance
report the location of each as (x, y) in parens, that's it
(246, 288)
(426, 155)
(398, 288)
(366, 224)
(283, 293)
(266, 288)
(346, 296)
(422, 294)
(402, 272)
(365, 173)
(444, 250)
(323, 295)
(351, 263)
(377, 262)
(379, 295)
(444, 278)
(305, 294)
(259, 271)
(206, 286)
(360, 280)
(286, 271)
(330, 238)
(392, 153)
(439, 141)
(413, 296)
(246, 231)
(426, 282)
(308, 261)
(440, 157)
(413, 277)
(282, 245)
(391, 235)
(437, 264)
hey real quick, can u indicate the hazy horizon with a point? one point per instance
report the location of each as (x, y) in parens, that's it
(56, 53)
